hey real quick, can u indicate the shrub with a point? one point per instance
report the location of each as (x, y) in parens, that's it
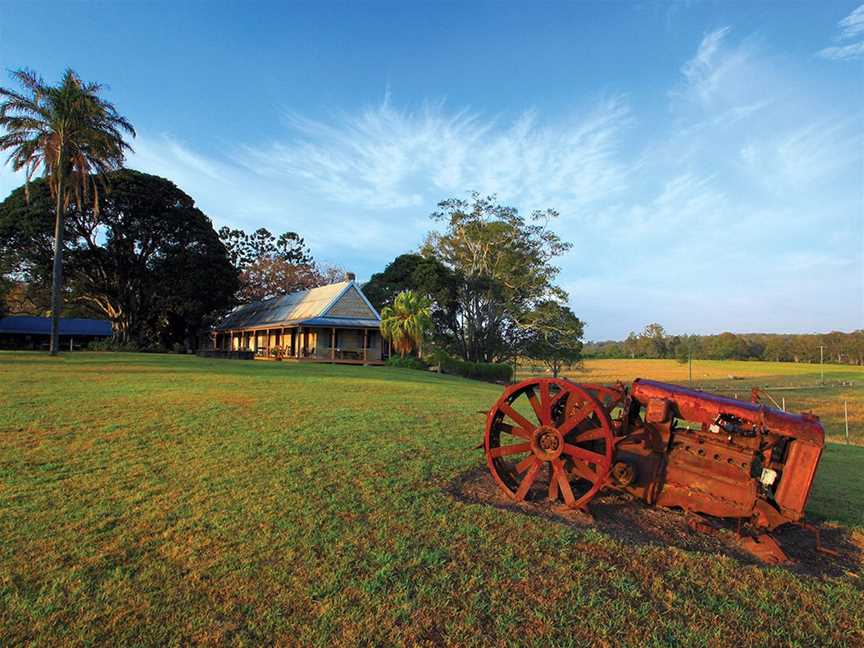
(488, 371)
(407, 363)
(110, 344)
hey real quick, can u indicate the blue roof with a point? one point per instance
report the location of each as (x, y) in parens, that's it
(26, 325)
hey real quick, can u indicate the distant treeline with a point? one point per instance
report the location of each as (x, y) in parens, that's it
(653, 342)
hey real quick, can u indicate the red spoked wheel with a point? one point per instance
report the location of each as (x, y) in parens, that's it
(551, 428)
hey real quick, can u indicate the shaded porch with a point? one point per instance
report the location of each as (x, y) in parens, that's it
(335, 344)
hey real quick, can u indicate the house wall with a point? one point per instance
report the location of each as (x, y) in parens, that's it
(322, 344)
(348, 341)
(351, 304)
(374, 350)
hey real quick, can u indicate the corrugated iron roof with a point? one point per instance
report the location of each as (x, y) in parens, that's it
(27, 325)
(350, 322)
(293, 308)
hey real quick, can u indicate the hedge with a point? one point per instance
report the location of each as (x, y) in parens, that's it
(406, 363)
(488, 371)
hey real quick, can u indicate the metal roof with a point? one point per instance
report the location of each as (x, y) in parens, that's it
(27, 325)
(350, 322)
(294, 308)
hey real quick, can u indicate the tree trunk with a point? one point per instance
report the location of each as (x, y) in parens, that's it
(57, 274)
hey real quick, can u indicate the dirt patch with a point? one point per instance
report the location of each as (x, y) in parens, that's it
(237, 400)
(630, 520)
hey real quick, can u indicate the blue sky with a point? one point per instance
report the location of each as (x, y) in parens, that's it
(707, 158)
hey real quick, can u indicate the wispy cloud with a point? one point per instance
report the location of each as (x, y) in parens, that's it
(739, 198)
(386, 158)
(853, 24)
(851, 27)
(853, 51)
(749, 203)
(703, 64)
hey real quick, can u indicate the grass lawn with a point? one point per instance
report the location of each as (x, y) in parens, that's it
(153, 500)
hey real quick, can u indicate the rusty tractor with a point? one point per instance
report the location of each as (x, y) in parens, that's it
(664, 444)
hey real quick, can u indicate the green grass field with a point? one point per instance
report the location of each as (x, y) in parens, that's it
(171, 500)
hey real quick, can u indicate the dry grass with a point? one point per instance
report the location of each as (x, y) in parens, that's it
(153, 500)
(799, 384)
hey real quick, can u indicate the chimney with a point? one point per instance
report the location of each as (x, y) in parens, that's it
(350, 276)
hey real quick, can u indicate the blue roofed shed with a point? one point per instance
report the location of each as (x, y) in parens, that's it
(26, 332)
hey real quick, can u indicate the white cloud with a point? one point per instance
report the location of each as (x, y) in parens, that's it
(739, 207)
(385, 158)
(747, 215)
(702, 65)
(853, 51)
(360, 187)
(852, 26)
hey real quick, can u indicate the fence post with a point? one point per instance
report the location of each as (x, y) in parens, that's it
(846, 417)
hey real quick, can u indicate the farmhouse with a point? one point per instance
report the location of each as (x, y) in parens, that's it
(334, 323)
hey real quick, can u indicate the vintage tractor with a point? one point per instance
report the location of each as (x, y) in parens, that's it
(664, 444)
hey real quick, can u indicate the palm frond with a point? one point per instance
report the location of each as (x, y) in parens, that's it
(68, 130)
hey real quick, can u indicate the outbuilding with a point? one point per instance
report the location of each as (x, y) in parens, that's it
(26, 332)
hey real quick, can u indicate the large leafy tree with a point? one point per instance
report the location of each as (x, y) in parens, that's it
(406, 322)
(270, 266)
(148, 260)
(554, 336)
(245, 248)
(425, 276)
(269, 276)
(74, 137)
(504, 267)
(406, 272)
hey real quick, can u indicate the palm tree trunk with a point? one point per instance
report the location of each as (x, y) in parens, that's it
(57, 275)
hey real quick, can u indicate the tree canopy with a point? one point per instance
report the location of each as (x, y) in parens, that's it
(270, 266)
(502, 267)
(554, 336)
(75, 137)
(838, 347)
(148, 260)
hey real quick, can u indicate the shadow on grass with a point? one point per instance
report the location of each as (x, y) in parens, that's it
(630, 521)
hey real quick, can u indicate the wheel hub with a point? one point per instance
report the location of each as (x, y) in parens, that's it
(547, 443)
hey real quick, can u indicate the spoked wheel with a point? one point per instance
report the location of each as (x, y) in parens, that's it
(551, 428)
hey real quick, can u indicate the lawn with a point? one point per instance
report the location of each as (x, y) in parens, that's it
(171, 500)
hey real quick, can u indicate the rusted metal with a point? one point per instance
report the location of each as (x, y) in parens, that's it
(554, 429)
(665, 444)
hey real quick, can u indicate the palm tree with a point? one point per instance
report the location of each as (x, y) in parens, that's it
(75, 137)
(406, 322)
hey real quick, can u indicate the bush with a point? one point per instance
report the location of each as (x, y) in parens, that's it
(488, 371)
(110, 344)
(407, 363)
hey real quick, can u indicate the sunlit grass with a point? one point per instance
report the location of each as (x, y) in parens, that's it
(152, 500)
(799, 386)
